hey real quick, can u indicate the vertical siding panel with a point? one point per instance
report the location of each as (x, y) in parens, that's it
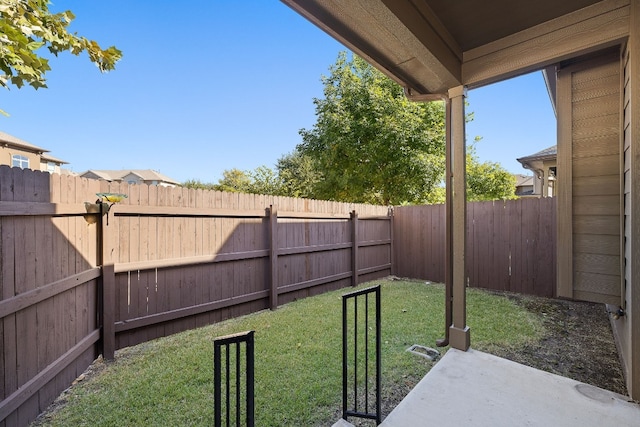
(514, 214)
(489, 267)
(160, 274)
(136, 280)
(441, 236)
(201, 234)
(188, 293)
(428, 240)
(8, 290)
(142, 291)
(151, 253)
(175, 275)
(471, 259)
(25, 279)
(501, 246)
(46, 309)
(82, 324)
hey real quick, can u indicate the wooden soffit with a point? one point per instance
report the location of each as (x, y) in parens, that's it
(430, 46)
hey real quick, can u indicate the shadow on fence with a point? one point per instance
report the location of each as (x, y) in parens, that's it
(169, 260)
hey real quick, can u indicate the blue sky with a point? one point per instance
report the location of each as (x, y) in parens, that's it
(206, 86)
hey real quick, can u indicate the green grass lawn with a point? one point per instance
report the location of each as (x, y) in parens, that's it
(169, 381)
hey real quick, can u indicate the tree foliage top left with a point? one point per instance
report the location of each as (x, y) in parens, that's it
(28, 25)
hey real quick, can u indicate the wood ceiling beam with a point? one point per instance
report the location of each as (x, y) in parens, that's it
(587, 30)
(375, 33)
(425, 26)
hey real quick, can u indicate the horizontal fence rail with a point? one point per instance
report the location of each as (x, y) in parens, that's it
(511, 245)
(78, 281)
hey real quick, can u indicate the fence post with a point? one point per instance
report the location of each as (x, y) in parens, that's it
(107, 297)
(354, 252)
(108, 312)
(273, 256)
(392, 258)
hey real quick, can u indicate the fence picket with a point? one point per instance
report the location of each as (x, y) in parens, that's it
(50, 248)
(510, 245)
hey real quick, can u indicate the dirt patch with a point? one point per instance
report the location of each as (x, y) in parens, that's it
(578, 342)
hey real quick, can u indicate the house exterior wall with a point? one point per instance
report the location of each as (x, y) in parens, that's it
(6, 154)
(132, 179)
(627, 327)
(589, 165)
(44, 166)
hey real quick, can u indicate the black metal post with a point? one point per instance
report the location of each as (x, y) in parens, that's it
(225, 344)
(367, 413)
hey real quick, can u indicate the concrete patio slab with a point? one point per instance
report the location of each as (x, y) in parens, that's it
(473, 388)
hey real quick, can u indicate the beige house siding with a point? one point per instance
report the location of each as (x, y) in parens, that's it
(38, 157)
(7, 153)
(590, 147)
(625, 326)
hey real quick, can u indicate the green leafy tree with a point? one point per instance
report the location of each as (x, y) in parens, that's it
(298, 175)
(371, 143)
(265, 180)
(198, 185)
(234, 180)
(28, 25)
(488, 180)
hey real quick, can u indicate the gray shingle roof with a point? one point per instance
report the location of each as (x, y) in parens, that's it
(117, 175)
(547, 153)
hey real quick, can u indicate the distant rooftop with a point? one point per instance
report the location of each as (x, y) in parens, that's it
(546, 154)
(6, 139)
(118, 175)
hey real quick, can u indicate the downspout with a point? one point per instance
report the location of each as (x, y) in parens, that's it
(448, 274)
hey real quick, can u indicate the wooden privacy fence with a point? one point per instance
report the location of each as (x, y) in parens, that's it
(202, 265)
(73, 285)
(511, 245)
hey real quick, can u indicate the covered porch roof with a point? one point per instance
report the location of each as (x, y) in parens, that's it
(430, 46)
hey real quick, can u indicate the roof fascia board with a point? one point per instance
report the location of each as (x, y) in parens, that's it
(587, 30)
(402, 57)
(425, 26)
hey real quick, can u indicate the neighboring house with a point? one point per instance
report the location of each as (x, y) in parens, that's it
(21, 154)
(589, 52)
(524, 185)
(132, 176)
(544, 165)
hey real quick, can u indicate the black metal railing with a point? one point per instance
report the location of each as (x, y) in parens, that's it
(229, 407)
(358, 344)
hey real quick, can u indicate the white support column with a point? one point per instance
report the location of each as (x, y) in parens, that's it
(545, 182)
(459, 336)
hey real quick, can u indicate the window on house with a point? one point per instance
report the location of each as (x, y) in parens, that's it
(132, 182)
(51, 167)
(19, 161)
